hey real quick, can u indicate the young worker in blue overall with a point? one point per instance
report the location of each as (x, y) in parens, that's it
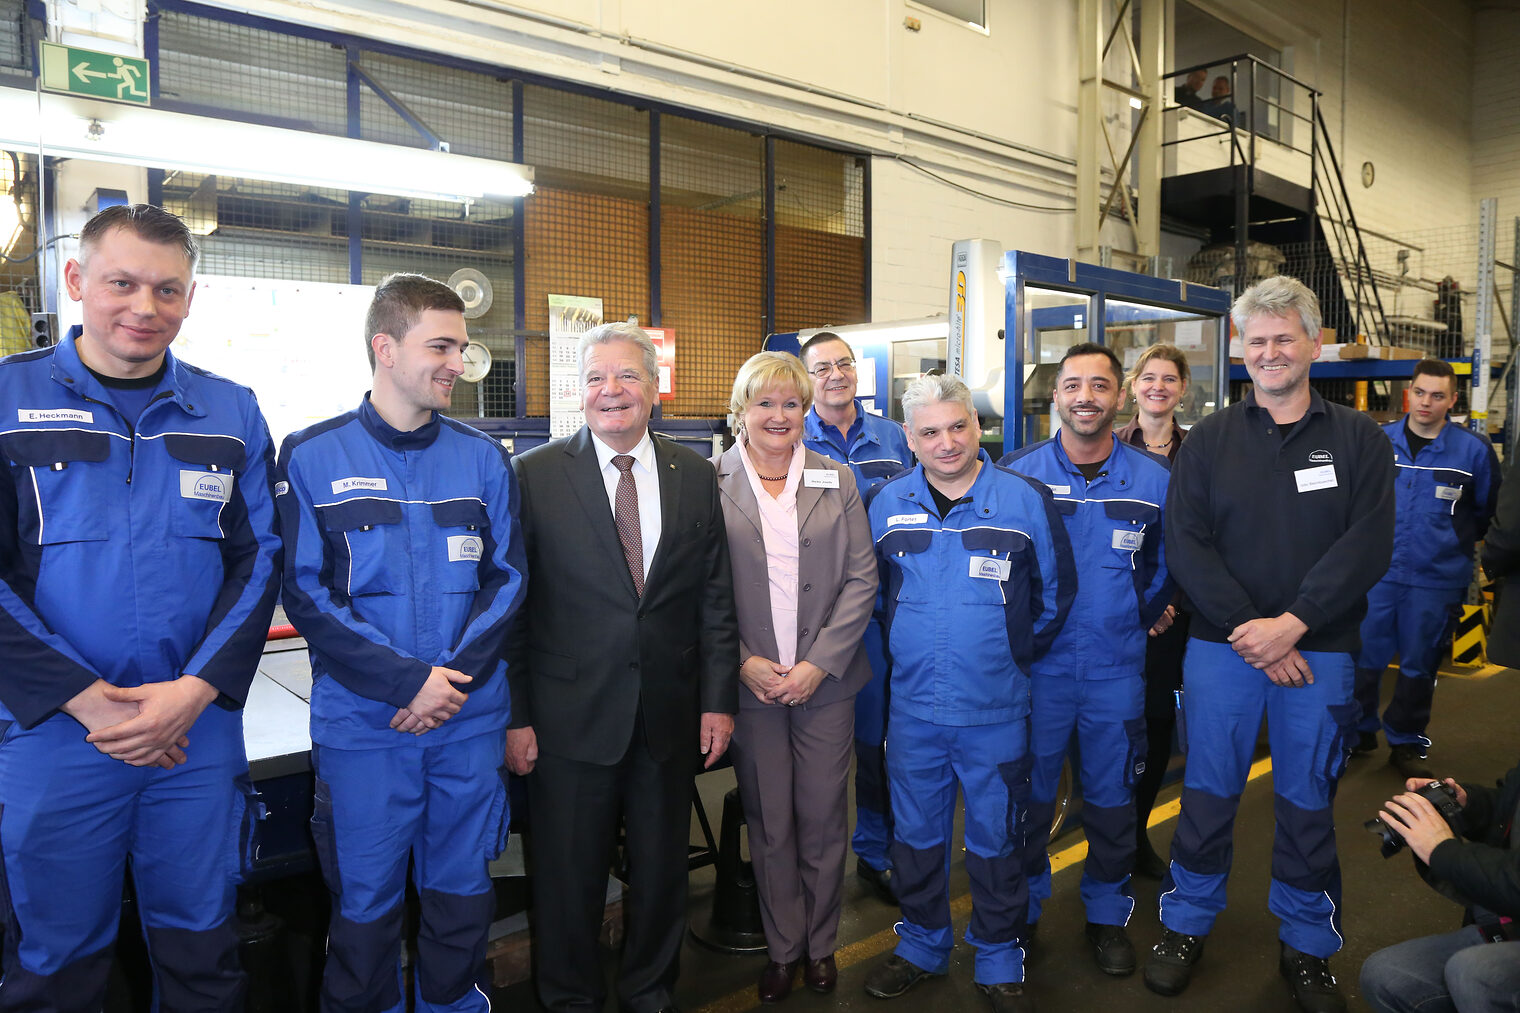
(1448, 482)
(839, 427)
(977, 578)
(138, 570)
(403, 568)
(1279, 519)
(1091, 682)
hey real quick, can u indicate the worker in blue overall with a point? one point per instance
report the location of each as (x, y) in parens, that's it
(404, 565)
(873, 447)
(977, 577)
(1091, 682)
(138, 570)
(1279, 519)
(1448, 483)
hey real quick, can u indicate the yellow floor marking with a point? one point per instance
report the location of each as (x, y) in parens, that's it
(1485, 672)
(960, 907)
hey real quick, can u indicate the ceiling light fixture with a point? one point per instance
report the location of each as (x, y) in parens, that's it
(68, 126)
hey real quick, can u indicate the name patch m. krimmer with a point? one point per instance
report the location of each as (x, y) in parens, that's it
(206, 486)
(347, 484)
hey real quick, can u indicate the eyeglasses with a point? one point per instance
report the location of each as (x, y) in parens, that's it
(823, 369)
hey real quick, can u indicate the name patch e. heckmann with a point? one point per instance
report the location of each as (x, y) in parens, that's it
(53, 415)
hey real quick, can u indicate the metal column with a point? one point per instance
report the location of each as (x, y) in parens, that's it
(1483, 334)
(1089, 125)
(1097, 35)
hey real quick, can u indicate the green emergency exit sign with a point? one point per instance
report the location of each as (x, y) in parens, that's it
(101, 75)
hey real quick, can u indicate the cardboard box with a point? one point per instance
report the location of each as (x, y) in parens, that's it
(1379, 352)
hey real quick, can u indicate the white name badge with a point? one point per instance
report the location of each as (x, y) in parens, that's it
(465, 548)
(990, 568)
(349, 484)
(1450, 493)
(820, 478)
(53, 415)
(203, 485)
(1309, 479)
(896, 519)
(1059, 490)
(1129, 541)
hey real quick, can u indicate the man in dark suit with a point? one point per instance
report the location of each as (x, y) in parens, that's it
(628, 633)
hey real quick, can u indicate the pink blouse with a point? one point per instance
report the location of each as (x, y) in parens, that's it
(778, 526)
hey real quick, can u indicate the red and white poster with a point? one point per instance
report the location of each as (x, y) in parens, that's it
(664, 339)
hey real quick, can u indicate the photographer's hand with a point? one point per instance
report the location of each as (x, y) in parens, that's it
(1416, 783)
(1417, 821)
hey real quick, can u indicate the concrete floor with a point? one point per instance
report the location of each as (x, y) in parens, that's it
(1475, 733)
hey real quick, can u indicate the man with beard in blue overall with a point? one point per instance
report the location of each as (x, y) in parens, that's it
(138, 571)
(1091, 682)
(839, 427)
(404, 564)
(977, 578)
(1279, 519)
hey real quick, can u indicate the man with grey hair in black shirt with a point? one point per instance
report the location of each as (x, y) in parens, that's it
(1279, 519)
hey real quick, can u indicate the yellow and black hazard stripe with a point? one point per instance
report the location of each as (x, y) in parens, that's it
(1469, 642)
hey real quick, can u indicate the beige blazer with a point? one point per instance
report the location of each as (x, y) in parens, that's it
(836, 574)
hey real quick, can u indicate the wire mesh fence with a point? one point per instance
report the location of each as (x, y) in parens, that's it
(20, 295)
(692, 251)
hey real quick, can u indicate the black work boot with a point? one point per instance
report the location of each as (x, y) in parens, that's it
(1314, 987)
(1007, 997)
(894, 976)
(1112, 949)
(1171, 963)
(1408, 758)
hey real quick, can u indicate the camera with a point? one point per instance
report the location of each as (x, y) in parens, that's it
(1442, 796)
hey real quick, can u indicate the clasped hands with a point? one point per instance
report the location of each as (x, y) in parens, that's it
(144, 726)
(1270, 645)
(774, 683)
(435, 702)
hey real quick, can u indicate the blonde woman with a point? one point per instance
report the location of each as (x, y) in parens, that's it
(804, 585)
(1158, 381)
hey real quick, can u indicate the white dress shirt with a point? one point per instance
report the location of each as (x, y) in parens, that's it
(645, 482)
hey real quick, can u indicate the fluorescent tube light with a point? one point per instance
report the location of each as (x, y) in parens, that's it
(74, 127)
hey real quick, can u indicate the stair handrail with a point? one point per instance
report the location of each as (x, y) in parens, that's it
(1363, 264)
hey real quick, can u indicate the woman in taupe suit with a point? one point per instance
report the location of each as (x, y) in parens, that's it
(804, 586)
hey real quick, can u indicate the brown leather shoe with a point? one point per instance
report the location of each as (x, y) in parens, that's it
(776, 980)
(821, 975)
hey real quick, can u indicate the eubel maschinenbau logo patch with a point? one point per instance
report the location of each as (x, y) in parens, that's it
(1321, 457)
(466, 548)
(204, 485)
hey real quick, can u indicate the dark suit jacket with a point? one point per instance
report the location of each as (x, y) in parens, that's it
(587, 653)
(1501, 561)
(836, 576)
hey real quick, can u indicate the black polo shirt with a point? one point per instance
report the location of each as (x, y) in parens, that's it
(1258, 524)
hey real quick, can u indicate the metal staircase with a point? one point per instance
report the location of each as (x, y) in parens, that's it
(1245, 174)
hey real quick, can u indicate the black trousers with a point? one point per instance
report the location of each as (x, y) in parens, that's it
(574, 809)
(1163, 677)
